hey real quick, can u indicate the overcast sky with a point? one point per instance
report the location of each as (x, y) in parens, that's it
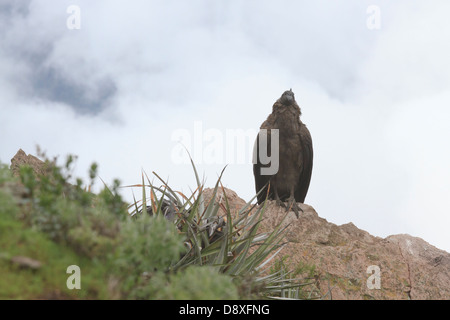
(373, 84)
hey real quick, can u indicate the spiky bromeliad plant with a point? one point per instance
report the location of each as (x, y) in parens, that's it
(230, 243)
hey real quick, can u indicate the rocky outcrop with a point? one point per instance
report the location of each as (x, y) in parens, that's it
(345, 261)
(21, 158)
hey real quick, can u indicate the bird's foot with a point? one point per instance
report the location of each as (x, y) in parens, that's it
(292, 204)
(280, 203)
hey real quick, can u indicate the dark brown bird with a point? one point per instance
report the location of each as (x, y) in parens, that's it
(290, 181)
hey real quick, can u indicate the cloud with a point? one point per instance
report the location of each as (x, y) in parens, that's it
(418, 134)
(407, 61)
(116, 90)
(52, 68)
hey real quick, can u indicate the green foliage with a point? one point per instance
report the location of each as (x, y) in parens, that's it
(194, 283)
(7, 203)
(170, 246)
(305, 273)
(49, 282)
(69, 214)
(230, 243)
(148, 244)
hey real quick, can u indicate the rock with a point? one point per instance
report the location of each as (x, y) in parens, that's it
(26, 263)
(338, 257)
(21, 159)
(426, 264)
(234, 201)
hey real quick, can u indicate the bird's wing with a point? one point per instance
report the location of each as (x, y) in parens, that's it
(261, 181)
(307, 164)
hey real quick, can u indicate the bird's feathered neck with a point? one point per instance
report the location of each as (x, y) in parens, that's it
(279, 107)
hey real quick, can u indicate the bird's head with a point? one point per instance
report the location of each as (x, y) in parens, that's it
(287, 98)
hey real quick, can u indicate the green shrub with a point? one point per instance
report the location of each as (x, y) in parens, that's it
(148, 244)
(8, 205)
(71, 215)
(231, 243)
(194, 283)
